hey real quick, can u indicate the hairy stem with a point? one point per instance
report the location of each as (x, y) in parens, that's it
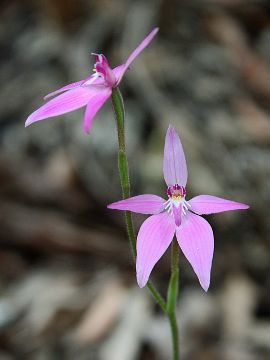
(119, 111)
(172, 297)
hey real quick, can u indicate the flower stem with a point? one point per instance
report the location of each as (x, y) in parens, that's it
(172, 297)
(119, 111)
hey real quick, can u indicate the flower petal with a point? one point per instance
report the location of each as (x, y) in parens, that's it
(118, 71)
(174, 163)
(64, 88)
(93, 106)
(154, 237)
(142, 204)
(136, 52)
(90, 80)
(196, 239)
(208, 204)
(66, 102)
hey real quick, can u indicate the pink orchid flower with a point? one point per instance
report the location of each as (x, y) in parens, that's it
(175, 216)
(92, 91)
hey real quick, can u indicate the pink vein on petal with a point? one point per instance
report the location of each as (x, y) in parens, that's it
(154, 237)
(66, 102)
(208, 204)
(196, 239)
(174, 163)
(177, 213)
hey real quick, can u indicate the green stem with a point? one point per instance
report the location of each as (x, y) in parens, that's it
(119, 111)
(172, 298)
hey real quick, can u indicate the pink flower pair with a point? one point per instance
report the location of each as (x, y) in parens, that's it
(174, 216)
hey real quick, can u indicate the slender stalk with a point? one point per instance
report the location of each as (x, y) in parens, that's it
(172, 297)
(119, 111)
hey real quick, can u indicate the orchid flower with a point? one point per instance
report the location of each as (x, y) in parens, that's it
(176, 215)
(91, 92)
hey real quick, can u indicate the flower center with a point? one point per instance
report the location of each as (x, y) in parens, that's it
(176, 205)
(176, 192)
(103, 71)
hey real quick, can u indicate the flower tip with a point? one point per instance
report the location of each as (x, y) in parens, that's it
(33, 118)
(141, 284)
(205, 285)
(141, 279)
(171, 128)
(171, 131)
(86, 129)
(155, 30)
(153, 33)
(28, 121)
(242, 206)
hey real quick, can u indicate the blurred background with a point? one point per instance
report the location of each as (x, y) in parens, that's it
(67, 281)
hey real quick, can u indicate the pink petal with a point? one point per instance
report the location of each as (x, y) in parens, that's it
(66, 102)
(118, 70)
(196, 239)
(177, 213)
(208, 204)
(142, 204)
(154, 237)
(64, 88)
(136, 52)
(90, 79)
(93, 106)
(174, 163)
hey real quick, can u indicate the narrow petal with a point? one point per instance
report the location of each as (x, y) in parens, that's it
(174, 163)
(93, 106)
(64, 88)
(92, 79)
(154, 237)
(196, 239)
(136, 52)
(177, 213)
(66, 102)
(118, 71)
(208, 204)
(142, 204)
